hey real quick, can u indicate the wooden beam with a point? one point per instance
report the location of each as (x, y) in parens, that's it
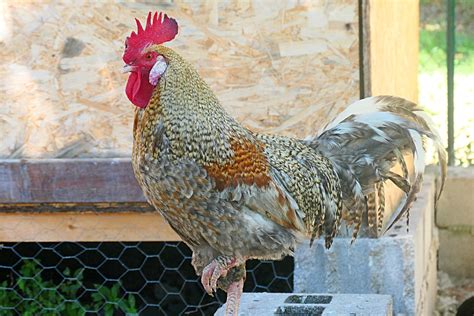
(390, 51)
(50, 227)
(68, 181)
(102, 207)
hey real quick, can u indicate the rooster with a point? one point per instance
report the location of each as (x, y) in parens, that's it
(232, 194)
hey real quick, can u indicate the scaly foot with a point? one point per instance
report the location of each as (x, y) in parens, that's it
(234, 292)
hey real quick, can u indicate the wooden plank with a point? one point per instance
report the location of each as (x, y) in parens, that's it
(68, 181)
(122, 207)
(49, 227)
(391, 48)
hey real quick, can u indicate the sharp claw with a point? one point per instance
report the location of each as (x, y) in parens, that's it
(216, 269)
(205, 278)
(216, 274)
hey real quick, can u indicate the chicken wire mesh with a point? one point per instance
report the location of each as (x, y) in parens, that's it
(117, 278)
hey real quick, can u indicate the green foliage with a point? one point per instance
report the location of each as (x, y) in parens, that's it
(31, 295)
(113, 300)
(433, 36)
(433, 51)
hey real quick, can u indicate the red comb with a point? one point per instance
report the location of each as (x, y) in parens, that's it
(158, 30)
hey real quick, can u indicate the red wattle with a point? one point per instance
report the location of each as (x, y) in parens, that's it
(138, 89)
(132, 78)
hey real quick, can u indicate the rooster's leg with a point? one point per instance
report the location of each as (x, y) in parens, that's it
(234, 291)
(216, 269)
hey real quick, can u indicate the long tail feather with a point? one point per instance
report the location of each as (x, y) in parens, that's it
(371, 210)
(381, 208)
(365, 142)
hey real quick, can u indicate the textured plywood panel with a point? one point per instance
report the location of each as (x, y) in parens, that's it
(278, 66)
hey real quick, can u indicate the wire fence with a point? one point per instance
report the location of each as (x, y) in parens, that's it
(117, 278)
(446, 71)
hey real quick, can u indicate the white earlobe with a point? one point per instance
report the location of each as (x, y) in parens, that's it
(158, 70)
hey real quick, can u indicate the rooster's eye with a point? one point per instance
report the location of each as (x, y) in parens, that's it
(149, 56)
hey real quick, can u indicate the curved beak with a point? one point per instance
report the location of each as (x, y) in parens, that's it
(128, 68)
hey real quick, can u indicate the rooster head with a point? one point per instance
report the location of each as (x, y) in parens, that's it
(144, 63)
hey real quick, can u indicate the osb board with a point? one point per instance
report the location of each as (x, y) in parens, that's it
(392, 58)
(277, 66)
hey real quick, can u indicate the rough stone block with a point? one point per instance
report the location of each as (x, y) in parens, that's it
(455, 220)
(456, 252)
(456, 205)
(273, 304)
(401, 264)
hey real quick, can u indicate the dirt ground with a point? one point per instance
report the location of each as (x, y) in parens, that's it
(452, 293)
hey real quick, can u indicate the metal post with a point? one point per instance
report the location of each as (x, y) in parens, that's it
(451, 48)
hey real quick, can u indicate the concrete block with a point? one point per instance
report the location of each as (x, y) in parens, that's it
(426, 286)
(384, 266)
(272, 304)
(455, 220)
(456, 205)
(456, 252)
(401, 264)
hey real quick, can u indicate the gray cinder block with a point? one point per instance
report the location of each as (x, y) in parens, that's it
(456, 251)
(455, 220)
(456, 205)
(401, 264)
(287, 304)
